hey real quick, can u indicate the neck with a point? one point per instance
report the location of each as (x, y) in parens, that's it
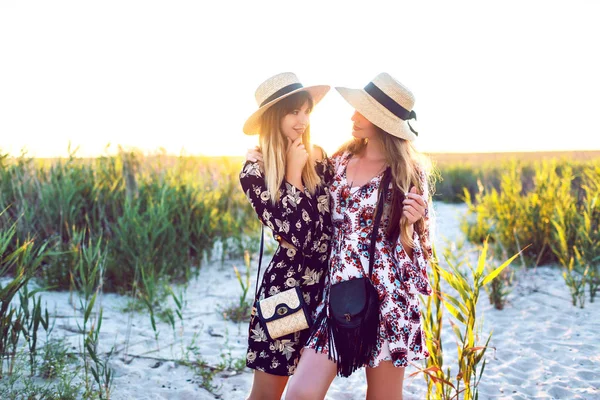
(373, 150)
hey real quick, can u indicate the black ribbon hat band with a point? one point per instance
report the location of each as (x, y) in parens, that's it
(390, 104)
(281, 92)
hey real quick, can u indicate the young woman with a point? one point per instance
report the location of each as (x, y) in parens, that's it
(381, 145)
(287, 191)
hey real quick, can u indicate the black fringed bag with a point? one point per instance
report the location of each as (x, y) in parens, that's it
(354, 308)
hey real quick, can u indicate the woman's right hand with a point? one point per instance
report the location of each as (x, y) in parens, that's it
(297, 156)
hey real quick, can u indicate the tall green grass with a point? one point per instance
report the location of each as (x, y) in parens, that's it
(557, 216)
(159, 216)
(23, 320)
(473, 172)
(576, 238)
(125, 223)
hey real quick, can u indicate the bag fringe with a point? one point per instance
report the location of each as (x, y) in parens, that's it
(354, 347)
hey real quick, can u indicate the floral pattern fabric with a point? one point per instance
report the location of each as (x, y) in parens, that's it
(303, 220)
(398, 279)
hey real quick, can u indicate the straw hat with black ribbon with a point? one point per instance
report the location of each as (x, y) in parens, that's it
(386, 103)
(276, 88)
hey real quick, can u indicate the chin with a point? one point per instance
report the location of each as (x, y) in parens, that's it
(357, 135)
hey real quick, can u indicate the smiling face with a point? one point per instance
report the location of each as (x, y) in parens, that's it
(294, 124)
(286, 120)
(362, 127)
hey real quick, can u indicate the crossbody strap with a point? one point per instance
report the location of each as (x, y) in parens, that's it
(262, 244)
(383, 188)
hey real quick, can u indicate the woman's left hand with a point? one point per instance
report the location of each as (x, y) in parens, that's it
(414, 206)
(255, 155)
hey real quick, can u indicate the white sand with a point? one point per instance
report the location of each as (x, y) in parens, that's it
(546, 348)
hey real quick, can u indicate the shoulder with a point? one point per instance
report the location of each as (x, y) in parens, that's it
(251, 169)
(344, 155)
(339, 159)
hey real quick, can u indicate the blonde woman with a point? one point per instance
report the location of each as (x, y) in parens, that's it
(381, 150)
(287, 191)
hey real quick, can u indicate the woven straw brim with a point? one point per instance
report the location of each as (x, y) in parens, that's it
(376, 113)
(252, 125)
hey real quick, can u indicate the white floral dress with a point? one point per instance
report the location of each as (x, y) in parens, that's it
(398, 279)
(304, 220)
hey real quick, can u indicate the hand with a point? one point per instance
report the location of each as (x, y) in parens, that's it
(297, 156)
(255, 155)
(414, 206)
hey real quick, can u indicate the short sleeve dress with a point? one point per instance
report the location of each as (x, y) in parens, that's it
(398, 279)
(304, 220)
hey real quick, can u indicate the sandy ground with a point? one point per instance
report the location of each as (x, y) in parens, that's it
(545, 347)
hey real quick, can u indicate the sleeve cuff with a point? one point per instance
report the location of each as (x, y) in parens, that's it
(418, 273)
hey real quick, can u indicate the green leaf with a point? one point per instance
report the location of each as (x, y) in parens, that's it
(91, 351)
(152, 321)
(456, 331)
(482, 369)
(99, 321)
(455, 313)
(456, 302)
(482, 259)
(497, 271)
(177, 301)
(89, 308)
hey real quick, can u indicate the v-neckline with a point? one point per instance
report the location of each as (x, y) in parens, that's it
(360, 188)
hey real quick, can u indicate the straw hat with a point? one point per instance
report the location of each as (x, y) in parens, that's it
(276, 88)
(385, 102)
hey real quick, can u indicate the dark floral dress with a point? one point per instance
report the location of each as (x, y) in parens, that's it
(304, 221)
(399, 280)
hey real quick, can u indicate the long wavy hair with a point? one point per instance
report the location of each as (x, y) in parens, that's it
(409, 168)
(274, 145)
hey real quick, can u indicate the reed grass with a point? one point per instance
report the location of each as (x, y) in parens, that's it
(240, 311)
(557, 217)
(471, 172)
(160, 216)
(446, 381)
(135, 224)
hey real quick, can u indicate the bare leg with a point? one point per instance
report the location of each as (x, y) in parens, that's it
(312, 378)
(385, 382)
(267, 386)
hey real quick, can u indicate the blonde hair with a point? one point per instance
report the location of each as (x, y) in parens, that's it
(274, 145)
(409, 168)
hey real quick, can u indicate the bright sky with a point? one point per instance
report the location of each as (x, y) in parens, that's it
(509, 76)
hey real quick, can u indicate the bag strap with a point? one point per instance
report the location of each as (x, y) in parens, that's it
(383, 188)
(262, 244)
